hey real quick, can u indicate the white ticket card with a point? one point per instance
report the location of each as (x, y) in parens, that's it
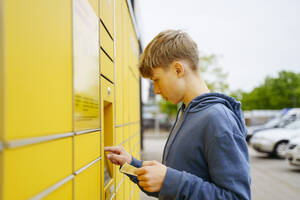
(128, 169)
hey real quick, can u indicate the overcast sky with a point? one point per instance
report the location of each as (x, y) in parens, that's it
(253, 38)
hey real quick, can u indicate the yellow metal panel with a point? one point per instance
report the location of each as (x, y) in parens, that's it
(120, 192)
(1, 77)
(136, 193)
(64, 192)
(1, 96)
(1, 175)
(32, 169)
(126, 63)
(107, 14)
(107, 66)
(106, 42)
(86, 65)
(127, 180)
(87, 183)
(119, 65)
(107, 90)
(102, 161)
(87, 149)
(118, 135)
(38, 67)
(107, 119)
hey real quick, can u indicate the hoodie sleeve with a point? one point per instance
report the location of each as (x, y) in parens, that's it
(139, 164)
(229, 171)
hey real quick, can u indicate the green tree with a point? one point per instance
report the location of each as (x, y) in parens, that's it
(274, 93)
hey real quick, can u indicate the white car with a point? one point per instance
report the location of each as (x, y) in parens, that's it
(293, 152)
(280, 121)
(275, 141)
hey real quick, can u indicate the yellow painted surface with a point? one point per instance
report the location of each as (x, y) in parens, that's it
(51, 56)
(107, 91)
(1, 175)
(107, 14)
(2, 76)
(106, 42)
(119, 64)
(32, 169)
(87, 183)
(107, 66)
(64, 192)
(87, 149)
(38, 67)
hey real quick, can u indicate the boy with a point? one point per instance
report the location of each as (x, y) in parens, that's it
(205, 156)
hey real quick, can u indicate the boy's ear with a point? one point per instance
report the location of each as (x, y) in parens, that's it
(179, 69)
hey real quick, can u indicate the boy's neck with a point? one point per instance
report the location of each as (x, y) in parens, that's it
(195, 86)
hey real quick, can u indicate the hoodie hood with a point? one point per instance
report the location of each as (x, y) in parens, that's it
(208, 99)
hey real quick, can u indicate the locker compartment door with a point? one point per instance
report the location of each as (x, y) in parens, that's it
(87, 183)
(38, 67)
(63, 192)
(87, 149)
(107, 14)
(32, 169)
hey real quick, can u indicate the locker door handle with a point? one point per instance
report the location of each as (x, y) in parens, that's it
(108, 91)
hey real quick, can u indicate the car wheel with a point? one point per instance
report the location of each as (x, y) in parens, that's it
(280, 149)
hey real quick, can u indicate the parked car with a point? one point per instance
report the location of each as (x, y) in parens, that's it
(275, 141)
(293, 152)
(286, 117)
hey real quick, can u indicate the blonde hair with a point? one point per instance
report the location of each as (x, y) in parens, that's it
(166, 47)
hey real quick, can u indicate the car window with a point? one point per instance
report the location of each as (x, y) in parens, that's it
(294, 125)
(272, 123)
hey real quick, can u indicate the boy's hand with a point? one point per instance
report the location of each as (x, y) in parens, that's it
(151, 176)
(118, 155)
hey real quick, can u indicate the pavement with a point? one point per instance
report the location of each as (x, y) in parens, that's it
(272, 178)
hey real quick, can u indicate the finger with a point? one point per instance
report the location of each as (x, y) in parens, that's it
(114, 158)
(140, 171)
(149, 189)
(142, 178)
(113, 149)
(144, 184)
(149, 163)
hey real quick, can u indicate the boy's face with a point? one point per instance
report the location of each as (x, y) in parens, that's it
(168, 84)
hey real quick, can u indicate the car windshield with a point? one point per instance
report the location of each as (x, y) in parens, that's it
(294, 125)
(272, 123)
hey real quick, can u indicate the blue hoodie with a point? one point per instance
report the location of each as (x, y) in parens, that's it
(207, 157)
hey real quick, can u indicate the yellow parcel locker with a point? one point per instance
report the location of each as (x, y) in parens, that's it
(38, 67)
(32, 169)
(119, 93)
(107, 119)
(107, 92)
(127, 180)
(87, 149)
(107, 14)
(87, 183)
(64, 192)
(107, 66)
(118, 142)
(106, 42)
